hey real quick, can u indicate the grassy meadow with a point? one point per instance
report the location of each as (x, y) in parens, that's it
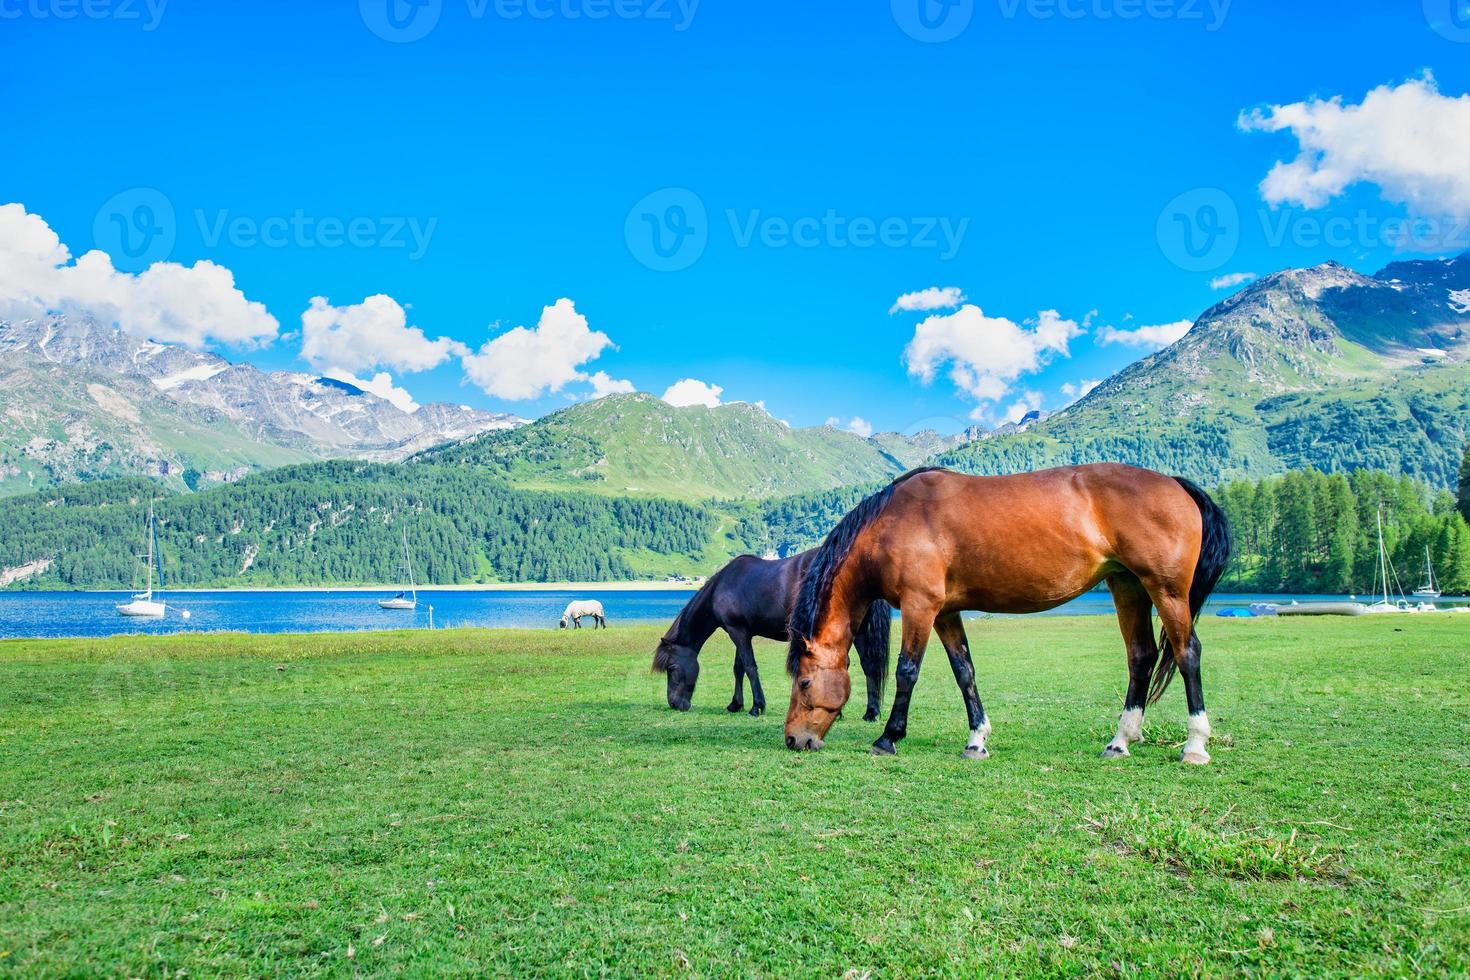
(523, 802)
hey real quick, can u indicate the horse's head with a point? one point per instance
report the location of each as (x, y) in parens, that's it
(820, 687)
(563, 623)
(681, 664)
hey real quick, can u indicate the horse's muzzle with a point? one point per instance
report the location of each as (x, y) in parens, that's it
(805, 742)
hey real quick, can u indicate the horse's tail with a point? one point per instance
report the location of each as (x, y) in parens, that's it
(872, 643)
(1214, 555)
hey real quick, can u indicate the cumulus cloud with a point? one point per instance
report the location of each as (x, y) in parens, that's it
(1409, 140)
(1231, 280)
(1081, 388)
(380, 384)
(933, 298)
(1153, 337)
(168, 302)
(986, 354)
(1029, 401)
(371, 334)
(857, 425)
(689, 391)
(603, 385)
(524, 363)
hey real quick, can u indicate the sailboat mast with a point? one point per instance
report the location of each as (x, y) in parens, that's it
(150, 547)
(1382, 556)
(409, 563)
(1428, 569)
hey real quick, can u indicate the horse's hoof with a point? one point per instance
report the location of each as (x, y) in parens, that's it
(872, 715)
(734, 706)
(1196, 758)
(1115, 752)
(884, 747)
(976, 752)
(757, 711)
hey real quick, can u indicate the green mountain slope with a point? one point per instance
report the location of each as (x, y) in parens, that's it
(640, 444)
(1314, 367)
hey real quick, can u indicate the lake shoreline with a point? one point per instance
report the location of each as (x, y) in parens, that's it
(474, 587)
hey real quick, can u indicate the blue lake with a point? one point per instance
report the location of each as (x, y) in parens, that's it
(56, 614)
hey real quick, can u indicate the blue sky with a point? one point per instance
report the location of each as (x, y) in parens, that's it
(820, 160)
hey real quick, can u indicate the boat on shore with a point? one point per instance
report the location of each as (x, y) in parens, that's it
(1294, 608)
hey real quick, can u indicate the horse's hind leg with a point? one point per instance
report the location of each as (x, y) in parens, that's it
(746, 653)
(952, 634)
(1135, 618)
(1184, 645)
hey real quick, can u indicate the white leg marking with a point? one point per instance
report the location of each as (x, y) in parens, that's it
(1199, 736)
(1130, 730)
(976, 748)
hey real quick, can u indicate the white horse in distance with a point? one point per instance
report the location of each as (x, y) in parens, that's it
(578, 608)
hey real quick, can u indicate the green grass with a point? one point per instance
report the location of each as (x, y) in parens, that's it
(523, 803)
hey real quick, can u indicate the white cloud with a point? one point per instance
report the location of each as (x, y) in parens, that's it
(604, 385)
(1029, 401)
(380, 384)
(523, 363)
(986, 354)
(1409, 140)
(1154, 337)
(688, 391)
(1081, 388)
(373, 333)
(1231, 280)
(933, 298)
(168, 302)
(857, 425)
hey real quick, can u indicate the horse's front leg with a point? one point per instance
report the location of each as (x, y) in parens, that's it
(952, 634)
(918, 622)
(737, 701)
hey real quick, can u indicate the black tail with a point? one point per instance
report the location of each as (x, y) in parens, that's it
(872, 643)
(1214, 555)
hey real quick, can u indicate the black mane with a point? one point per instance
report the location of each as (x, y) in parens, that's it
(811, 601)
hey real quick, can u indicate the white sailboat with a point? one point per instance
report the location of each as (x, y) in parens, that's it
(1385, 567)
(143, 604)
(1430, 589)
(403, 600)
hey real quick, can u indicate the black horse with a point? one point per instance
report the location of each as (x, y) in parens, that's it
(753, 597)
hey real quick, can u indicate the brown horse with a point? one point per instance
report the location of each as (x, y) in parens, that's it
(935, 542)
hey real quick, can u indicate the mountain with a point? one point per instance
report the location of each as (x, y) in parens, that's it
(637, 443)
(1320, 367)
(83, 400)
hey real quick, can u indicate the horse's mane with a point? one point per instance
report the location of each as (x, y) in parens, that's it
(816, 587)
(698, 601)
